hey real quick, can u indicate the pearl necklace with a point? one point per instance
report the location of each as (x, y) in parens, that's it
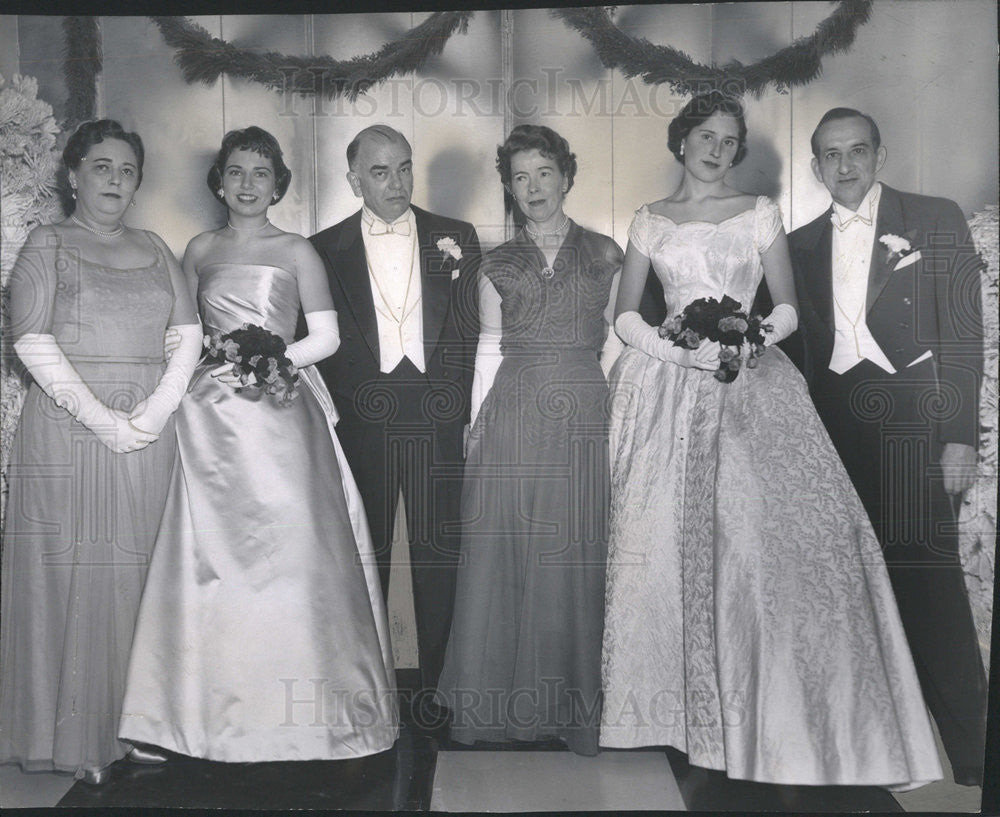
(267, 223)
(117, 231)
(540, 234)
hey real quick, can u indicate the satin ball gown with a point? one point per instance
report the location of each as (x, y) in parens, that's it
(262, 633)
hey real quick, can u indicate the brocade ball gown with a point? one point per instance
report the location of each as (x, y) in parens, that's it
(750, 620)
(80, 527)
(523, 658)
(262, 632)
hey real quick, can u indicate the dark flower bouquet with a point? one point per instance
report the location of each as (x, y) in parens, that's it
(258, 358)
(721, 321)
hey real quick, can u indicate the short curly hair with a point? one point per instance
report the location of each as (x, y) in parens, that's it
(546, 141)
(260, 142)
(698, 110)
(93, 133)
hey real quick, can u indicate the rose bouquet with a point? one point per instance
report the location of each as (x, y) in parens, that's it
(258, 358)
(724, 322)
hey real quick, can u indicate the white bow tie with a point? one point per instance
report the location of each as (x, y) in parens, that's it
(843, 225)
(401, 227)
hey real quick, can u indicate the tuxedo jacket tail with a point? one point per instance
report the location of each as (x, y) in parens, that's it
(923, 309)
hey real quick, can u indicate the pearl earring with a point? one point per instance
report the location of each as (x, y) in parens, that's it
(682, 148)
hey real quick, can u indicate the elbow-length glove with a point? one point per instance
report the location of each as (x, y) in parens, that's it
(783, 320)
(151, 414)
(632, 329)
(321, 341)
(52, 371)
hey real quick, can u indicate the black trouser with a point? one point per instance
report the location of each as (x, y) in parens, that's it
(404, 433)
(882, 426)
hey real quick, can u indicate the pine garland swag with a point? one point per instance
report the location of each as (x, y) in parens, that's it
(796, 64)
(82, 62)
(203, 58)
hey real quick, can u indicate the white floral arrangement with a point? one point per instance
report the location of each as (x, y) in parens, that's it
(448, 246)
(895, 243)
(29, 160)
(978, 517)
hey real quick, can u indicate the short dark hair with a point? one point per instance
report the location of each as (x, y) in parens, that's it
(844, 113)
(546, 141)
(698, 110)
(260, 142)
(93, 133)
(379, 131)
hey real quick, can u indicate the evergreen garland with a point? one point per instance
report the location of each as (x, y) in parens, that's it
(797, 64)
(204, 58)
(82, 62)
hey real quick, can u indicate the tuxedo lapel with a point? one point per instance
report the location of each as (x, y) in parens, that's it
(352, 274)
(435, 282)
(819, 280)
(889, 222)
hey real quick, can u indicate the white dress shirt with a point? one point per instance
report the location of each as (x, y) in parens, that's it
(393, 257)
(853, 244)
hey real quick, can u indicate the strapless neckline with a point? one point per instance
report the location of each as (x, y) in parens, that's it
(240, 265)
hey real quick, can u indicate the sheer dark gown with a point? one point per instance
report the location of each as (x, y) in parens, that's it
(523, 660)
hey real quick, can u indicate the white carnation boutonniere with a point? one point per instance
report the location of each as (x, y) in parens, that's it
(450, 247)
(898, 250)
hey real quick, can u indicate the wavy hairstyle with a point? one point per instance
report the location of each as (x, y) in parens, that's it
(260, 142)
(698, 110)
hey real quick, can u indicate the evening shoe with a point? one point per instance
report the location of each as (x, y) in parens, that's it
(146, 755)
(95, 776)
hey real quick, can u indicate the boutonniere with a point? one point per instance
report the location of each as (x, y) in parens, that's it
(898, 250)
(448, 246)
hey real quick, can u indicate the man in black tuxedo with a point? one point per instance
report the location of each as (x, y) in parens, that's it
(403, 283)
(891, 325)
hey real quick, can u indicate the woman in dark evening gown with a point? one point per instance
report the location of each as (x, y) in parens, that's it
(523, 660)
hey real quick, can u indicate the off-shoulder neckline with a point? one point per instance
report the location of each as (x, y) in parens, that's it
(753, 209)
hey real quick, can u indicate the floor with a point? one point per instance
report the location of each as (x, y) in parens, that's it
(424, 771)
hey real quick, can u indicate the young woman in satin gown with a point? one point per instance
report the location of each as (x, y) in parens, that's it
(523, 658)
(750, 621)
(262, 633)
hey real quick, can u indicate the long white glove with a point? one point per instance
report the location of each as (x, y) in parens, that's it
(632, 329)
(55, 375)
(322, 340)
(152, 413)
(488, 360)
(784, 320)
(171, 340)
(612, 348)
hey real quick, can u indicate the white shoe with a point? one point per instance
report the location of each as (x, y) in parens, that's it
(146, 755)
